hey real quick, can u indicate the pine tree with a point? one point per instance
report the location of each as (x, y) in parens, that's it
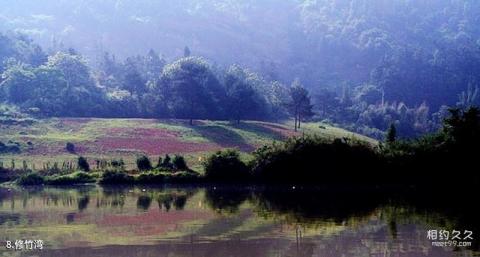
(391, 134)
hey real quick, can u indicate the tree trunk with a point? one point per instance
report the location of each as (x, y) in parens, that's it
(295, 123)
(191, 112)
(296, 118)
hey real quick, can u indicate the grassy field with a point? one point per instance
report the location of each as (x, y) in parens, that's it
(106, 139)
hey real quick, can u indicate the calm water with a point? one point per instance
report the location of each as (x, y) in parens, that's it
(210, 221)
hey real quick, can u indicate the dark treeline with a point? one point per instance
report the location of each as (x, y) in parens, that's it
(315, 160)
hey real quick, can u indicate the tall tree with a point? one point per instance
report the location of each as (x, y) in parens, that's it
(133, 80)
(243, 101)
(194, 88)
(153, 65)
(391, 134)
(299, 105)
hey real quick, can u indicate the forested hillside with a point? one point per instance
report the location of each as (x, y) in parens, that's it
(366, 64)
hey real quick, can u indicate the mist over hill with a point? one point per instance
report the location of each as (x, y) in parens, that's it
(367, 64)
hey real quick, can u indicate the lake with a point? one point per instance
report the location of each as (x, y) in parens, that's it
(233, 221)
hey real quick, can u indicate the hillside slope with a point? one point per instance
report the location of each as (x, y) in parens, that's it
(106, 139)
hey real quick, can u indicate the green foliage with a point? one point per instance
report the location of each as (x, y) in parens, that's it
(452, 148)
(71, 179)
(195, 88)
(83, 163)
(118, 164)
(243, 100)
(182, 177)
(167, 162)
(226, 166)
(463, 126)
(391, 134)
(151, 178)
(161, 177)
(371, 56)
(314, 160)
(299, 104)
(31, 179)
(143, 163)
(18, 48)
(116, 178)
(179, 163)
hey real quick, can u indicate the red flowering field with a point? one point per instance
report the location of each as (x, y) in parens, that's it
(104, 139)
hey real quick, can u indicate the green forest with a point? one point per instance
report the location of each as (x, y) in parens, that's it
(364, 64)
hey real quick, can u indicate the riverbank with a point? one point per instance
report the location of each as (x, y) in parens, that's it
(304, 160)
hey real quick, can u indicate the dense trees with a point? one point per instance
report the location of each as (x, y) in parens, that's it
(243, 101)
(141, 86)
(226, 166)
(366, 65)
(60, 87)
(19, 48)
(420, 55)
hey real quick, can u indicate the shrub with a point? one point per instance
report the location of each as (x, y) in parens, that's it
(143, 163)
(166, 163)
(150, 178)
(115, 177)
(31, 179)
(179, 163)
(72, 179)
(70, 147)
(159, 162)
(226, 166)
(183, 177)
(83, 164)
(315, 160)
(119, 164)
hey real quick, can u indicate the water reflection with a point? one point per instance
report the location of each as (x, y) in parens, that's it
(232, 221)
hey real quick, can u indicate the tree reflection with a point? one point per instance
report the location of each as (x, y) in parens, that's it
(226, 199)
(83, 202)
(144, 202)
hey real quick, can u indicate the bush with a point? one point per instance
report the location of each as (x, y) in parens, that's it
(150, 178)
(310, 160)
(70, 147)
(83, 164)
(119, 164)
(31, 179)
(166, 163)
(226, 166)
(116, 177)
(183, 177)
(179, 163)
(143, 163)
(72, 179)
